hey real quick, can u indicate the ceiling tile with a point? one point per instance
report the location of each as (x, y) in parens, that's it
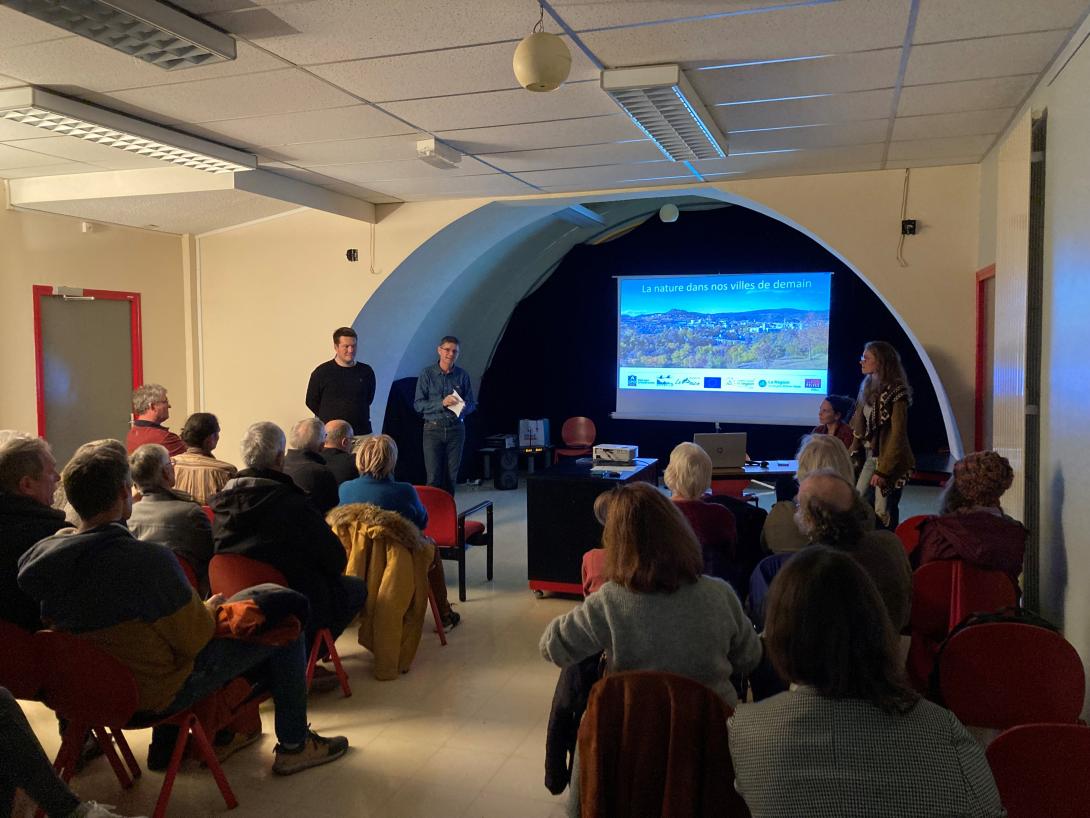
(270, 92)
(348, 151)
(11, 131)
(833, 157)
(933, 163)
(813, 136)
(367, 172)
(361, 121)
(987, 57)
(560, 133)
(10, 82)
(413, 190)
(439, 73)
(815, 111)
(102, 69)
(796, 31)
(963, 19)
(951, 97)
(955, 146)
(12, 157)
(576, 157)
(504, 107)
(836, 73)
(20, 29)
(966, 123)
(47, 170)
(607, 175)
(331, 30)
(582, 15)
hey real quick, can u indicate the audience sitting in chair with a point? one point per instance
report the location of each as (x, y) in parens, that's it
(28, 478)
(151, 407)
(196, 471)
(337, 451)
(971, 525)
(831, 513)
(132, 600)
(851, 738)
(376, 459)
(689, 478)
(167, 516)
(307, 468)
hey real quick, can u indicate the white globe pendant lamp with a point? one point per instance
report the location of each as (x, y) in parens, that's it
(542, 61)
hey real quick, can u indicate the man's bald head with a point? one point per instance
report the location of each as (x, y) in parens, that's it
(338, 434)
(827, 509)
(828, 488)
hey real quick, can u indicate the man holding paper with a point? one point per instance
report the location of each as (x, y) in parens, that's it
(444, 396)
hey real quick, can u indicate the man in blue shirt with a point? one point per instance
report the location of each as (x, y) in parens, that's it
(444, 396)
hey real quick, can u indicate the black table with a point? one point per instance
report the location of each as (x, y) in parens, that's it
(560, 522)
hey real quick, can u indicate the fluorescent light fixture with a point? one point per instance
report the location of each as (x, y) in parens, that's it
(437, 154)
(661, 102)
(146, 29)
(70, 117)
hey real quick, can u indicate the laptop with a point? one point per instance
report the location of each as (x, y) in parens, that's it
(726, 449)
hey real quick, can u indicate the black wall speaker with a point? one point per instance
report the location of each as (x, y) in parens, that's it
(505, 469)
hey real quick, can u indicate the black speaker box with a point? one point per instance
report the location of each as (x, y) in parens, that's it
(505, 469)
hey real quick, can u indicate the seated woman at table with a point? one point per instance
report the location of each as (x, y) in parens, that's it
(594, 561)
(689, 477)
(376, 458)
(833, 416)
(780, 532)
(851, 738)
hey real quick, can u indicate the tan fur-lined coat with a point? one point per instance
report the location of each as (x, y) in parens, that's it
(389, 553)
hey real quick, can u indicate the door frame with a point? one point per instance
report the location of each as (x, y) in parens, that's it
(40, 290)
(983, 331)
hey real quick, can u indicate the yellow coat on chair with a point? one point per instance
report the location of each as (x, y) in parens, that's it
(390, 554)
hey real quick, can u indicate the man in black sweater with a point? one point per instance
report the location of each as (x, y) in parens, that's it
(342, 389)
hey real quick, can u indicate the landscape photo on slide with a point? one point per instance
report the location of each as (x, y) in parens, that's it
(672, 326)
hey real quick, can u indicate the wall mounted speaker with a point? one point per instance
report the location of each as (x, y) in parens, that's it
(505, 469)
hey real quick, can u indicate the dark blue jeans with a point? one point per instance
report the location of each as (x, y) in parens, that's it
(443, 444)
(284, 669)
(26, 766)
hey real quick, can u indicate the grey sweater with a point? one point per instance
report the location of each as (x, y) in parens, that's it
(698, 631)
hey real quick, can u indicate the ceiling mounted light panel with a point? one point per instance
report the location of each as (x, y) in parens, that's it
(70, 117)
(661, 102)
(145, 29)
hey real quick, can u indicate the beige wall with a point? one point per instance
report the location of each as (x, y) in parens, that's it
(37, 248)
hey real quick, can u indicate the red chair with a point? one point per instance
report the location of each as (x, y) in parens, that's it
(209, 513)
(1041, 769)
(21, 670)
(189, 571)
(453, 533)
(578, 436)
(96, 693)
(1002, 674)
(230, 573)
(908, 532)
(944, 593)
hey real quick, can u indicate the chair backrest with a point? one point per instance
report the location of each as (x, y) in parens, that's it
(85, 684)
(656, 744)
(209, 513)
(1000, 674)
(578, 431)
(21, 670)
(230, 573)
(908, 532)
(189, 571)
(945, 592)
(1041, 769)
(442, 515)
(760, 582)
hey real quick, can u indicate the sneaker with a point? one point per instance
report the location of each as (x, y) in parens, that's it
(324, 679)
(92, 809)
(451, 620)
(312, 752)
(226, 749)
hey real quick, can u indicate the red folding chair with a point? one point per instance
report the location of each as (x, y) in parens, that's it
(21, 670)
(453, 533)
(96, 693)
(908, 532)
(189, 571)
(230, 573)
(1041, 769)
(1001, 674)
(578, 435)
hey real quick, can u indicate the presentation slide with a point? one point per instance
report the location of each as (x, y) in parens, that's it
(732, 348)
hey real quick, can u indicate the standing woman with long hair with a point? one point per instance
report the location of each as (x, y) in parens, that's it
(880, 430)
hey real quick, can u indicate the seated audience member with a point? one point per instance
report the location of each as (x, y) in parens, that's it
(263, 515)
(780, 533)
(851, 738)
(152, 409)
(166, 516)
(28, 478)
(689, 477)
(132, 600)
(833, 416)
(594, 561)
(376, 459)
(196, 471)
(24, 766)
(307, 468)
(657, 611)
(337, 451)
(972, 525)
(829, 514)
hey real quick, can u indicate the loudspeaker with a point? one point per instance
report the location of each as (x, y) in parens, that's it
(505, 469)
